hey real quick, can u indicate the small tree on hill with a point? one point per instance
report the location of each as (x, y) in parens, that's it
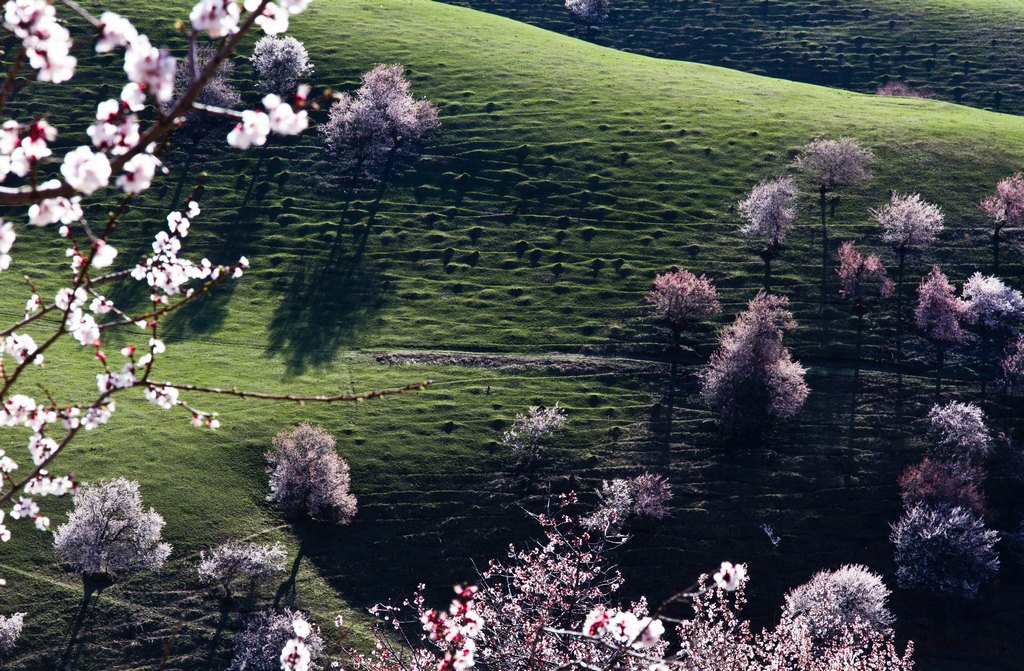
(769, 210)
(944, 549)
(752, 379)
(681, 299)
(937, 482)
(859, 274)
(939, 314)
(1005, 208)
(109, 535)
(589, 12)
(308, 477)
(258, 646)
(531, 431)
(834, 165)
(219, 92)
(232, 562)
(280, 64)
(909, 224)
(825, 607)
(368, 132)
(990, 304)
(642, 497)
(10, 630)
(958, 432)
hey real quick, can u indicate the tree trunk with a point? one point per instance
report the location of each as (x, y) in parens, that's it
(902, 253)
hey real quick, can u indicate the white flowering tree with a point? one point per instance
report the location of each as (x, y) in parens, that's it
(531, 430)
(109, 534)
(233, 562)
(281, 64)
(768, 212)
(274, 640)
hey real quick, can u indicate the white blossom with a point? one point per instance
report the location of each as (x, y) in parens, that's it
(251, 131)
(84, 170)
(218, 18)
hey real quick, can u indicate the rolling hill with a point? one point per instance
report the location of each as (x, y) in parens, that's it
(508, 266)
(964, 51)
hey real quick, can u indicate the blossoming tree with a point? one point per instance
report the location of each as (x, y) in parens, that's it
(768, 212)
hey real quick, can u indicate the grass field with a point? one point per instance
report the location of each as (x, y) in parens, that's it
(963, 50)
(565, 176)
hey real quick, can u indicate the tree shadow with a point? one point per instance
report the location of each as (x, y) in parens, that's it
(287, 590)
(328, 293)
(89, 588)
(218, 634)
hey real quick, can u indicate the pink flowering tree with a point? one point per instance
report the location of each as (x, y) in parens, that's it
(682, 299)
(768, 212)
(108, 534)
(1005, 208)
(944, 549)
(553, 607)
(1013, 365)
(368, 133)
(826, 608)
(939, 315)
(234, 562)
(752, 380)
(308, 477)
(861, 275)
(620, 500)
(834, 165)
(992, 305)
(532, 431)
(274, 640)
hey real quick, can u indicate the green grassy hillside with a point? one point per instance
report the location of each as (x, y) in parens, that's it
(565, 176)
(965, 51)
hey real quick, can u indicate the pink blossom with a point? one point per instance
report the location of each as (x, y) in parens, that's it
(1006, 206)
(682, 298)
(835, 164)
(115, 31)
(151, 68)
(139, 172)
(939, 312)
(729, 576)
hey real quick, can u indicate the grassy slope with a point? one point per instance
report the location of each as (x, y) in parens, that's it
(640, 160)
(965, 51)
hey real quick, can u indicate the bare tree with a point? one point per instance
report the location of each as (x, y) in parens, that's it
(308, 477)
(232, 562)
(108, 534)
(752, 379)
